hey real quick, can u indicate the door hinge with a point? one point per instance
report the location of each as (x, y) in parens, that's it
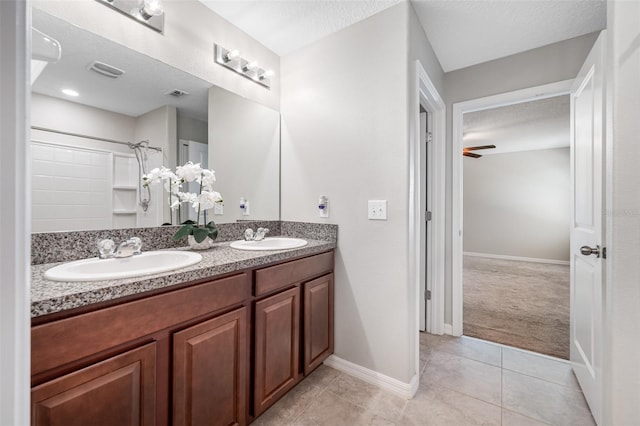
(427, 295)
(427, 216)
(429, 137)
(604, 252)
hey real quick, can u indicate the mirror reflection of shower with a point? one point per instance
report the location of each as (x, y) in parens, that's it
(140, 149)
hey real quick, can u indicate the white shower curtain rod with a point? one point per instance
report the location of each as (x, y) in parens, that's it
(79, 135)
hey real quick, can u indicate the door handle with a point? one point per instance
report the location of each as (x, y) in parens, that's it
(587, 251)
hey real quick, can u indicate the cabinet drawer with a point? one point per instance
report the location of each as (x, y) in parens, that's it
(71, 339)
(279, 276)
(117, 391)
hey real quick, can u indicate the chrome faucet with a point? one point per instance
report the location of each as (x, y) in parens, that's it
(127, 248)
(259, 235)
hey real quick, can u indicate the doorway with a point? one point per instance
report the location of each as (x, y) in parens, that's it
(459, 109)
(426, 177)
(516, 214)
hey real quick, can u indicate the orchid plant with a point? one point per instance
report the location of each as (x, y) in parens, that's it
(205, 199)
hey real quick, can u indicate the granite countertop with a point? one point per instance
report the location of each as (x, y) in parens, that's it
(53, 296)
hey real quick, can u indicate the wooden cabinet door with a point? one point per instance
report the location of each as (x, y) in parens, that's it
(277, 347)
(210, 372)
(318, 321)
(118, 391)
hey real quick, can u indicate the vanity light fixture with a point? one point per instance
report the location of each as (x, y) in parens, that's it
(147, 12)
(232, 60)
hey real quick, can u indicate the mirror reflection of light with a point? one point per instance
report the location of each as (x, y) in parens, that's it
(70, 92)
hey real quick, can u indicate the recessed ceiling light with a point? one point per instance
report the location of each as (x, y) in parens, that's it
(70, 92)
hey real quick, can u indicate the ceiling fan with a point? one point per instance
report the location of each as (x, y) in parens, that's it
(466, 151)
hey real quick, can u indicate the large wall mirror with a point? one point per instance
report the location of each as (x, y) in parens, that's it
(101, 96)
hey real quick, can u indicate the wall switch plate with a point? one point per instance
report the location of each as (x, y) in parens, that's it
(218, 209)
(377, 210)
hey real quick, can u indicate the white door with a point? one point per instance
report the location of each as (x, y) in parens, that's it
(196, 152)
(587, 231)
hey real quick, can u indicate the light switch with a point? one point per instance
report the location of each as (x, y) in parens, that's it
(377, 210)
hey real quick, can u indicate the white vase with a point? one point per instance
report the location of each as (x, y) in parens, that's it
(206, 244)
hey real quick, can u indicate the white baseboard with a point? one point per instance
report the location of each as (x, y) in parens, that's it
(523, 259)
(448, 329)
(405, 390)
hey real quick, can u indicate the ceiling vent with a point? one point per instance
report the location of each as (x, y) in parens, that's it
(176, 93)
(105, 69)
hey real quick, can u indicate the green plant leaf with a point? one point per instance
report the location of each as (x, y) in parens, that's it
(200, 234)
(183, 232)
(188, 222)
(213, 234)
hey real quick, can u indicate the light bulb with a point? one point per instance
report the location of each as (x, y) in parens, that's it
(153, 7)
(250, 66)
(231, 54)
(266, 74)
(147, 10)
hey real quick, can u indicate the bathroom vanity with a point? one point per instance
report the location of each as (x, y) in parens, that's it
(213, 350)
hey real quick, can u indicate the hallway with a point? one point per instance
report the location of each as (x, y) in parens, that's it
(464, 381)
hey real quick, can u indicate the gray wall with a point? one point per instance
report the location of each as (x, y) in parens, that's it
(517, 204)
(547, 64)
(345, 135)
(190, 129)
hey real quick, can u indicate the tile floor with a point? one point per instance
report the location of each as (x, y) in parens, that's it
(463, 381)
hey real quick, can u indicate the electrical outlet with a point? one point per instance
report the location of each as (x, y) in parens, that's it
(377, 210)
(218, 209)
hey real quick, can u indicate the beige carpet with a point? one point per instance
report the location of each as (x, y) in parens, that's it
(521, 304)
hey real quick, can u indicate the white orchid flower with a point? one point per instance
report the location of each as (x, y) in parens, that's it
(189, 172)
(172, 184)
(207, 179)
(208, 199)
(158, 174)
(188, 197)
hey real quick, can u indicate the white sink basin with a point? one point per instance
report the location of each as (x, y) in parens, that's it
(270, 243)
(149, 262)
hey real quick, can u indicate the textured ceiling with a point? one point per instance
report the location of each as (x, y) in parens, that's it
(462, 32)
(527, 126)
(469, 32)
(284, 26)
(140, 90)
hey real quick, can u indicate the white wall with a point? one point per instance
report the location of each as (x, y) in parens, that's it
(548, 64)
(517, 204)
(244, 151)
(345, 135)
(622, 346)
(191, 29)
(58, 114)
(158, 126)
